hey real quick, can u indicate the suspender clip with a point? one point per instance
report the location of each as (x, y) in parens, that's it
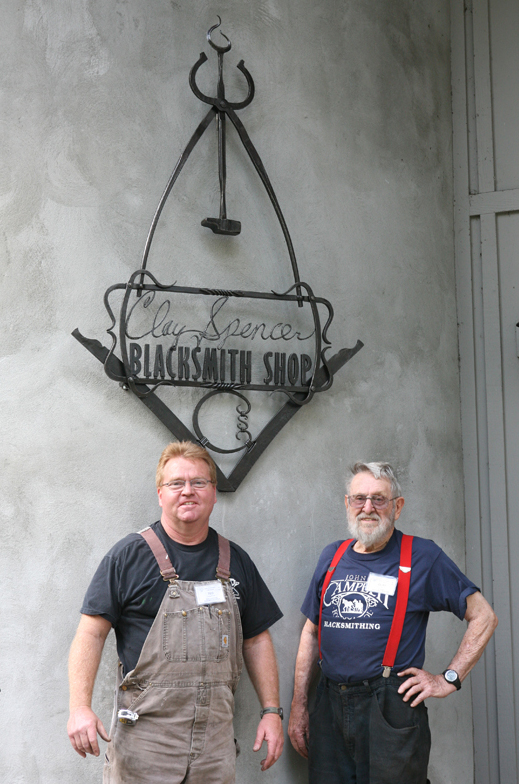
(387, 672)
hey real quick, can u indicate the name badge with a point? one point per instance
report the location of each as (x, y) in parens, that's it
(209, 593)
(381, 583)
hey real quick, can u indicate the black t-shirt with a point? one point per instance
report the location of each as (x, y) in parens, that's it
(127, 588)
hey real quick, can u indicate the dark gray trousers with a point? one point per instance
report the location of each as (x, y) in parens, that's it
(364, 733)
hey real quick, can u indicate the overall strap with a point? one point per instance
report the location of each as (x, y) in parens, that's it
(328, 576)
(223, 570)
(167, 569)
(402, 596)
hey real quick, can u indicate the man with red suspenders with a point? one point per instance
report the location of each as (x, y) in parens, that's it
(188, 607)
(367, 609)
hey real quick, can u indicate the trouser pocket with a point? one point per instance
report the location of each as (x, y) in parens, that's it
(399, 745)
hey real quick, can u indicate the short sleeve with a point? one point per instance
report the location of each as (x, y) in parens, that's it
(103, 593)
(447, 587)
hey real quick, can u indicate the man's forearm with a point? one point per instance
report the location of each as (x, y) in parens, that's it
(260, 660)
(85, 654)
(298, 726)
(306, 661)
(84, 658)
(482, 622)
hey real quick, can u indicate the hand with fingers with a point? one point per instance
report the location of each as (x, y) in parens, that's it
(83, 728)
(298, 729)
(422, 684)
(270, 729)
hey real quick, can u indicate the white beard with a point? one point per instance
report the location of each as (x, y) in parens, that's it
(378, 530)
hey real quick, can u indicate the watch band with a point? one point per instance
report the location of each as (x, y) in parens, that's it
(452, 677)
(279, 712)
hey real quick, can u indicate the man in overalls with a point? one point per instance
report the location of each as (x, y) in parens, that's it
(188, 607)
(367, 608)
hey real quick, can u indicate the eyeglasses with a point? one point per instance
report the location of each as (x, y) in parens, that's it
(198, 483)
(378, 501)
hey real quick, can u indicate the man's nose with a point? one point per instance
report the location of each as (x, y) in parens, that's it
(368, 506)
(187, 489)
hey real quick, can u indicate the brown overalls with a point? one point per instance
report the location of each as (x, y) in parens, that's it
(182, 687)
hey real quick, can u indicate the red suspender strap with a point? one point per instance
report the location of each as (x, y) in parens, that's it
(328, 576)
(402, 596)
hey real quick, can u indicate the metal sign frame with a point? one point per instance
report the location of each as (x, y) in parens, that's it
(307, 376)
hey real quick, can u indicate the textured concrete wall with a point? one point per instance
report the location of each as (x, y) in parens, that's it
(352, 118)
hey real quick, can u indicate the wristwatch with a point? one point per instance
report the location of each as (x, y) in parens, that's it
(279, 712)
(451, 676)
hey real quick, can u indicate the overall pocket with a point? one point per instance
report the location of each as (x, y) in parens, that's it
(200, 634)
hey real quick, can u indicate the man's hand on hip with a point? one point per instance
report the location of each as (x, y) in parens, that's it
(83, 727)
(423, 684)
(270, 729)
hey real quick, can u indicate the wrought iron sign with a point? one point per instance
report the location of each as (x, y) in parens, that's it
(221, 342)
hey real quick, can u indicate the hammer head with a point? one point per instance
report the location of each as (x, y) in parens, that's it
(222, 226)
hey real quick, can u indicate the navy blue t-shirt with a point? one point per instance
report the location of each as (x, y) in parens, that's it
(127, 588)
(356, 622)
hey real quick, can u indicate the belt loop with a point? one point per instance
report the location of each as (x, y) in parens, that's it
(368, 685)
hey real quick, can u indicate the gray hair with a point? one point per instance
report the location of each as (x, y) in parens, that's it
(378, 471)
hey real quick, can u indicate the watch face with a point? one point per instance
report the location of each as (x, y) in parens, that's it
(451, 676)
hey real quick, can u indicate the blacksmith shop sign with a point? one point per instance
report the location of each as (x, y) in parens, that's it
(220, 343)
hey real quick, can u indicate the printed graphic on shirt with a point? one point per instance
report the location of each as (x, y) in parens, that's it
(350, 599)
(234, 583)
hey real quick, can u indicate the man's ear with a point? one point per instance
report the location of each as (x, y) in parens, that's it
(399, 504)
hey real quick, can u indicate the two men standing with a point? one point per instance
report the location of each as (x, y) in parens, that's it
(187, 606)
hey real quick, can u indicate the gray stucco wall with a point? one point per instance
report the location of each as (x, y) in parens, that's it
(352, 118)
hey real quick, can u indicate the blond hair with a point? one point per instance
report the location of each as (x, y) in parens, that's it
(188, 451)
